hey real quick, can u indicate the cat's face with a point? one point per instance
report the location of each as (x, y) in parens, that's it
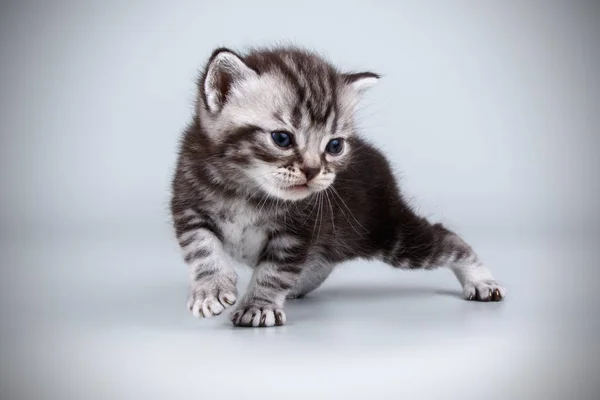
(282, 120)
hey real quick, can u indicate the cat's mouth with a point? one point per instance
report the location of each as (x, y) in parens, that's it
(297, 188)
(295, 192)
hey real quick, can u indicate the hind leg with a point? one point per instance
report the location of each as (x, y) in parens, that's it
(431, 246)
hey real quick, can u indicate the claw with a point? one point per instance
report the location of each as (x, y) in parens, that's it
(278, 319)
(496, 296)
(226, 300)
(235, 317)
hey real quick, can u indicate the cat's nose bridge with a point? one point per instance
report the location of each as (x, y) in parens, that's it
(310, 162)
(310, 155)
(310, 166)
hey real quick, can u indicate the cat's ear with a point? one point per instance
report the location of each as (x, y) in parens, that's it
(225, 68)
(361, 81)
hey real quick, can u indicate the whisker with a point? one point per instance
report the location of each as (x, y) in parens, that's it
(321, 214)
(331, 210)
(317, 215)
(347, 208)
(345, 216)
(311, 210)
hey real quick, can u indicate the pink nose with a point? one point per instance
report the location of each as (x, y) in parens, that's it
(311, 172)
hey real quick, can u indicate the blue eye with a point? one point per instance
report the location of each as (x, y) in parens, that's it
(282, 139)
(335, 146)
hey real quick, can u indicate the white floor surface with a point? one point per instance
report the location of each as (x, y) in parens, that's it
(93, 317)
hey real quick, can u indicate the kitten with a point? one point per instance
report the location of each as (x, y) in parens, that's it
(272, 174)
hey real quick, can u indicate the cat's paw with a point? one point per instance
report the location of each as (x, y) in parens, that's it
(258, 316)
(484, 291)
(211, 297)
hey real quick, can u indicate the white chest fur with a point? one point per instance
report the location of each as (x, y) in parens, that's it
(244, 235)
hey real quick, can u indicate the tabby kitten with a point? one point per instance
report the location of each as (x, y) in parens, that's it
(271, 173)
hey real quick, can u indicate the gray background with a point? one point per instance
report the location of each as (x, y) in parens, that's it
(490, 111)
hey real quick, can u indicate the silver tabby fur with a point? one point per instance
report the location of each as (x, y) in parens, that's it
(292, 213)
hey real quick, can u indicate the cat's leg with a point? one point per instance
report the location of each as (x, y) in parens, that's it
(212, 280)
(430, 246)
(313, 275)
(277, 273)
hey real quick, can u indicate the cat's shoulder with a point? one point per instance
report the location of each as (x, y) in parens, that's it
(367, 155)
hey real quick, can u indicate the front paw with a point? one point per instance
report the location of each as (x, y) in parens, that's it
(258, 316)
(484, 291)
(212, 296)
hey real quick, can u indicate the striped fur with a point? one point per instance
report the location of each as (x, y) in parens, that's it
(292, 213)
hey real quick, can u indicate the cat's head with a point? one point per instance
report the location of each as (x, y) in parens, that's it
(279, 120)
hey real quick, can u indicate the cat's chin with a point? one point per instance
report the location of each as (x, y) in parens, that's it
(294, 193)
